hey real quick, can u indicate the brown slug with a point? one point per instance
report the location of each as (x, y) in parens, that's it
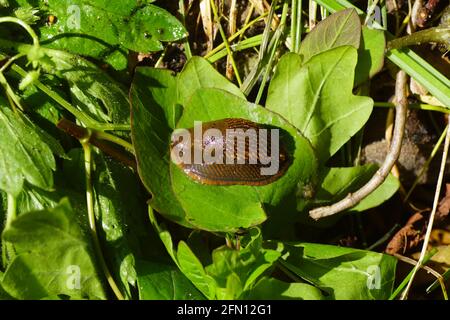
(230, 151)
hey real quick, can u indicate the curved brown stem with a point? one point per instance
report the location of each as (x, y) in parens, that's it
(401, 107)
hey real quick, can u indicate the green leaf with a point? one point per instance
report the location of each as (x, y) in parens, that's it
(156, 99)
(342, 28)
(153, 101)
(338, 182)
(23, 154)
(119, 209)
(237, 270)
(406, 59)
(194, 271)
(158, 281)
(274, 289)
(198, 73)
(309, 98)
(93, 91)
(228, 208)
(52, 252)
(343, 273)
(370, 55)
(106, 30)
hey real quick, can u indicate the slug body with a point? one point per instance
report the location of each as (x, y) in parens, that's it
(230, 151)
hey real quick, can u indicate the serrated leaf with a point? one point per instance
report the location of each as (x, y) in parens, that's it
(342, 28)
(317, 98)
(106, 30)
(23, 155)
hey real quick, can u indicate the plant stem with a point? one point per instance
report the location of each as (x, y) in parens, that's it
(11, 214)
(432, 215)
(236, 35)
(10, 61)
(23, 25)
(394, 151)
(419, 106)
(436, 34)
(268, 67)
(115, 139)
(427, 164)
(296, 25)
(91, 217)
(11, 211)
(225, 41)
(187, 47)
(85, 119)
(405, 281)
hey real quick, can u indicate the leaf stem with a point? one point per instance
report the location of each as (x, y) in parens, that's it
(11, 211)
(114, 139)
(85, 119)
(11, 214)
(23, 25)
(419, 106)
(187, 47)
(436, 34)
(91, 217)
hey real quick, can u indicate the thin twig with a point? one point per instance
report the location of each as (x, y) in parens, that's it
(436, 274)
(231, 30)
(432, 215)
(394, 151)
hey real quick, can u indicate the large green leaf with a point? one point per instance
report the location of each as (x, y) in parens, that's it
(93, 91)
(153, 102)
(107, 30)
(156, 100)
(160, 281)
(228, 208)
(342, 273)
(317, 98)
(342, 28)
(338, 182)
(52, 252)
(23, 154)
